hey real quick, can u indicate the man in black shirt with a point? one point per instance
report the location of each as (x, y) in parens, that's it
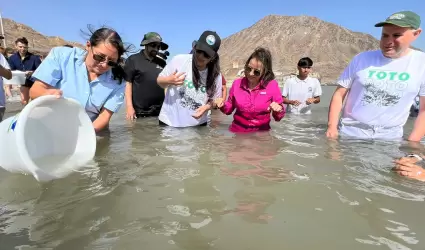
(144, 97)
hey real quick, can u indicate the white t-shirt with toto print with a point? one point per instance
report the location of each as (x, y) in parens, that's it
(181, 102)
(382, 90)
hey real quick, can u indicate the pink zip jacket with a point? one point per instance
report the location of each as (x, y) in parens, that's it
(251, 106)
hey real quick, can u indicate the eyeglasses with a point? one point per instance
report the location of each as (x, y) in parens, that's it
(101, 58)
(203, 53)
(248, 69)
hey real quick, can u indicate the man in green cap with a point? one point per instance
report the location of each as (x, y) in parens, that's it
(144, 97)
(380, 86)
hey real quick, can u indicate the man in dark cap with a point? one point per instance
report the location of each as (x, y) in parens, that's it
(144, 97)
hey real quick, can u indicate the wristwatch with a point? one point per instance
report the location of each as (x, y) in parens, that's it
(416, 156)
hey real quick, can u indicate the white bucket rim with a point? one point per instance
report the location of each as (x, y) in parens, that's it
(22, 119)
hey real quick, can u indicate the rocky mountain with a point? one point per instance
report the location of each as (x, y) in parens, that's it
(37, 41)
(290, 38)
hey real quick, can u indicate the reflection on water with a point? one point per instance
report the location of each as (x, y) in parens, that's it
(206, 188)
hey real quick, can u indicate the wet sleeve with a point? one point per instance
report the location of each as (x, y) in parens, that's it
(116, 99)
(50, 70)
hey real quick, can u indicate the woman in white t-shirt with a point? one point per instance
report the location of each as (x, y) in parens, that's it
(192, 81)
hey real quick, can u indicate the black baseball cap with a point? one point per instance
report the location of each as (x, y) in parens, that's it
(209, 42)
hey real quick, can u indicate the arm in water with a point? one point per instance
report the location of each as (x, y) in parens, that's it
(334, 110)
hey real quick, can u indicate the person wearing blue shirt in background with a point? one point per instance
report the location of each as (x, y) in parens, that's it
(27, 62)
(94, 77)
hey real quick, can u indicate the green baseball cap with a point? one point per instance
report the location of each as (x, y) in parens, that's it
(407, 19)
(153, 37)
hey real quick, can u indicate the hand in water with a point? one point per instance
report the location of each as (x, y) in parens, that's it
(130, 114)
(332, 133)
(406, 166)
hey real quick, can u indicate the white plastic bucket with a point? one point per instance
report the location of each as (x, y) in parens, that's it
(18, 78)
(50, 138)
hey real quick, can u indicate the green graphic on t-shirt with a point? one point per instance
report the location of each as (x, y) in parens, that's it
(388, 75)
(384, 88)
(190, 85)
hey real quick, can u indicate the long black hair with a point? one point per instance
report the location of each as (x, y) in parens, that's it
(108, 35)
(265, 57)
(213, 72)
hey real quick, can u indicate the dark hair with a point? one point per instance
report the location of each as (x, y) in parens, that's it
(68, 45)
(265, 57)
(213, 71)
(305, 62)
(9, 50)
(110, 36)
(22, 40)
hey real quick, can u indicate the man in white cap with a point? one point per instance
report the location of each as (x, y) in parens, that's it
(379, 86)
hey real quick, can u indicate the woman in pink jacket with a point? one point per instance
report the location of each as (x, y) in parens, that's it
(254, 96)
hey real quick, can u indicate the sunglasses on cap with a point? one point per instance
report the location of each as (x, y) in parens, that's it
(101, 58)
(249, 70)
(203, 53)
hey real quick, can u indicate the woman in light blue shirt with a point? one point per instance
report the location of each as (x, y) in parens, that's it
(92, 76)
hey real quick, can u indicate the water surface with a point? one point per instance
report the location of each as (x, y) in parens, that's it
(154, 187)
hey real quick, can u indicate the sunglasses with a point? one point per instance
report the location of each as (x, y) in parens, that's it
(155, 45)
(248, 69)
(203, 53)
(101, 58)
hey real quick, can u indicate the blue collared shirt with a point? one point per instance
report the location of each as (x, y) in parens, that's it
(64, 68)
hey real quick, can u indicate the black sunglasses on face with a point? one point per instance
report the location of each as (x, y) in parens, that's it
(155, 45)
(249, 70)
(100, 59)
(203, 53)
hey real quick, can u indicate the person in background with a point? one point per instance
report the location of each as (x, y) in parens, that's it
(380, 86)
(27, 62)
(6, 73)
(254, 96)
(92, 76)
(301, 91)
(144, 97)
(7, 53)
(193, 81)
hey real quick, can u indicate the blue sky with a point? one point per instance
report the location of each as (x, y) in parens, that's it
(181, 22)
